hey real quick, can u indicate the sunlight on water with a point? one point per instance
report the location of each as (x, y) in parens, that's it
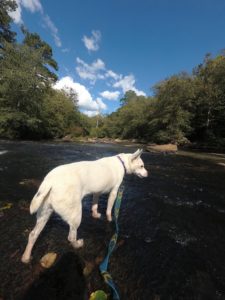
(3, 152)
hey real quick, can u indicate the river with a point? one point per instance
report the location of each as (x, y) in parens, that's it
(172, 224)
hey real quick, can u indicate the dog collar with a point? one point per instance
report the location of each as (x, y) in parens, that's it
(122, 162)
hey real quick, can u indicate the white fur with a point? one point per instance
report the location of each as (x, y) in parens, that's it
(63, 189)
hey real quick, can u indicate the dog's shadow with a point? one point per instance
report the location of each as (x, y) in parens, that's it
(64, 281)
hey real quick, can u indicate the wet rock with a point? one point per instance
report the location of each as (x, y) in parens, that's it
(7, 205)
(31, 182)
(148, 239)
(89, 267)
(162, 148)
(67, 138)
(48, 260)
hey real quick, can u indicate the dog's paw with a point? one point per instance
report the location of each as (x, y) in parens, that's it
(78, 243)
(96, 215)
(109, 217)
(25, 260)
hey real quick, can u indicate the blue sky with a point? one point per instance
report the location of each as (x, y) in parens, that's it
(105, 47)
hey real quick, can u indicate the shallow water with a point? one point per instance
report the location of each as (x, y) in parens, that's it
(172, 224)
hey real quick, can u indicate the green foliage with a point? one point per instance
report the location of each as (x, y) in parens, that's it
(6, 34)
(23, 83)
(173, 109)
(129, 96)
(58, 114)
(209, 120)
(131, 119)
(29, 107)
(95, 126)
(35, 44)
(184, 108)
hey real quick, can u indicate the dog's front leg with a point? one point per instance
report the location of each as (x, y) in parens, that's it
(111, 200)
(95, 213)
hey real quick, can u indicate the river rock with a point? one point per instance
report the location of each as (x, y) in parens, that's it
(48, 260)
(161, 148)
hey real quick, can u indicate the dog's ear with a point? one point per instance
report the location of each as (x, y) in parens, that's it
(136, 154)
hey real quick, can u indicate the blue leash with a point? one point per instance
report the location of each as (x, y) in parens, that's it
(104, 265)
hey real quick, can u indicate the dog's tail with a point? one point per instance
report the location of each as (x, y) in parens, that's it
(39, 198)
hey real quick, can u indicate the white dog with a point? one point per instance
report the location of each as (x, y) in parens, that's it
(63, 189)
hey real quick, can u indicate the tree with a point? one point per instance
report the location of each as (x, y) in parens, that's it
(130, 120)
(59, 115)
(34, 43)
(173, 109)
(6, 34)
(129, 95)
(24, 79)
(29, 107)
(210, 100)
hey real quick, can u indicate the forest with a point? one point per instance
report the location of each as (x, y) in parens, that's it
(186, 108)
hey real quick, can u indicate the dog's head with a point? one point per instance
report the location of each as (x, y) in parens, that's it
(135, 165)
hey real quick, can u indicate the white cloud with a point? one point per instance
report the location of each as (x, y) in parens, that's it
(30, 5)
(110, 95)
(91, 72)
(90, 113)
(85, 100)
(112, 74)
(92, 43)
(53, 30)
(65, 50)
(35, 6)
(127, 83)
(101, 104)
(17, 14)
(97, 70)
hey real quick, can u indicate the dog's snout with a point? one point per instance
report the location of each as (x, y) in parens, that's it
(147, 171)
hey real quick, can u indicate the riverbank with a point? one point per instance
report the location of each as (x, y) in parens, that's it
(125, 142)
(152, 147)
(92, 140)
(148, 146)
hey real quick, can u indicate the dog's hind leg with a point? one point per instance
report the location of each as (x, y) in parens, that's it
(43, 214)
(95, 213)
(74, 221)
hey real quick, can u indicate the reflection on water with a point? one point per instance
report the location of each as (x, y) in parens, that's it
(172, 224)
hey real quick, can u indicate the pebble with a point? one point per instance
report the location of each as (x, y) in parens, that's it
(148, 239)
